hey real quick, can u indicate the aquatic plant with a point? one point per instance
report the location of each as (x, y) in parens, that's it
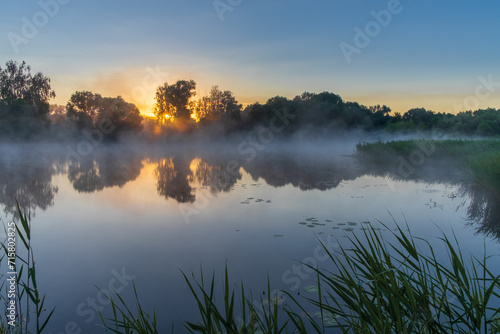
(22, 289)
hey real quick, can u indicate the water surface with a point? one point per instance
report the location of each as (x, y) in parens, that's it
(150, 212)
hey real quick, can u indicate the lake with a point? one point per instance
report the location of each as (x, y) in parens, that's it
(147, 213)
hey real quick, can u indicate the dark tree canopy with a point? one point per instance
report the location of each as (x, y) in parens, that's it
(17, 83)
(174, 100)
(218, 105)
(89, 110)
(83, 108)
(25, 113)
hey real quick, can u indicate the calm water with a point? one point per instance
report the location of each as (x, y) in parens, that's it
(152, 212)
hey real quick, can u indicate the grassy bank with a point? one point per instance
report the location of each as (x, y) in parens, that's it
(482, 157)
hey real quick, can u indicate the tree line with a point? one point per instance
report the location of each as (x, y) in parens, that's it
(25, 112)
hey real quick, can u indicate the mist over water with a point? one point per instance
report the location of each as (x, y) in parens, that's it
(149, 210)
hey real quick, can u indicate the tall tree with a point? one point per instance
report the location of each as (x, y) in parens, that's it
(217, 105)
(17, 83)
(174, 100)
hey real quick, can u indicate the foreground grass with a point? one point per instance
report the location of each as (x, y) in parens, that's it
(482, 157)
(373, 286)
(29, 314)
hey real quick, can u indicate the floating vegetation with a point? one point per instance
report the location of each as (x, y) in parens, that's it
(352, 223)
(311, 226)
(365, 222)
(311, 288)
(303, 223)
(335, 227)
(348, 229)
(341, 224)
(278, 235)
(258, 200)
(328, 221)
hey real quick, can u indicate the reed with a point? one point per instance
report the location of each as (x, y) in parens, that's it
(403, 287)
(28, 299)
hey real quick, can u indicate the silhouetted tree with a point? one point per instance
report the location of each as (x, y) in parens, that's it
(119, 115)
(174, 100)
(24, 101)
(380, 115)
(17, 83)
(218, 105)
(89, 110)
(83, 107)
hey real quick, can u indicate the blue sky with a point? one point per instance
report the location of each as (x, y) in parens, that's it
(429, 54)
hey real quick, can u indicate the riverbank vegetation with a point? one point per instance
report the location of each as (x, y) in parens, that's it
(481, 157)
(26, 113)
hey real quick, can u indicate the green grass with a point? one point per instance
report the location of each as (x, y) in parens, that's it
(482, 157)
(450, 148)
(31, 314)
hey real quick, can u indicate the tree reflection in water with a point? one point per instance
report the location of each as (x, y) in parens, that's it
(26, 178)
(484, 209)
(173, 179)
(103, 170)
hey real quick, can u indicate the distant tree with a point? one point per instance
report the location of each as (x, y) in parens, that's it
(378, 109)
(218, 105)
(174, 100)
(380, 115)
(119, 114)
(488, 128)
(422, 118)
(89, 110)
(306, 96)
(83, 107)
(17, 83)
(56, 109)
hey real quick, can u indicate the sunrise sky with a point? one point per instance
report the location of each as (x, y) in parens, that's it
(422, 53)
